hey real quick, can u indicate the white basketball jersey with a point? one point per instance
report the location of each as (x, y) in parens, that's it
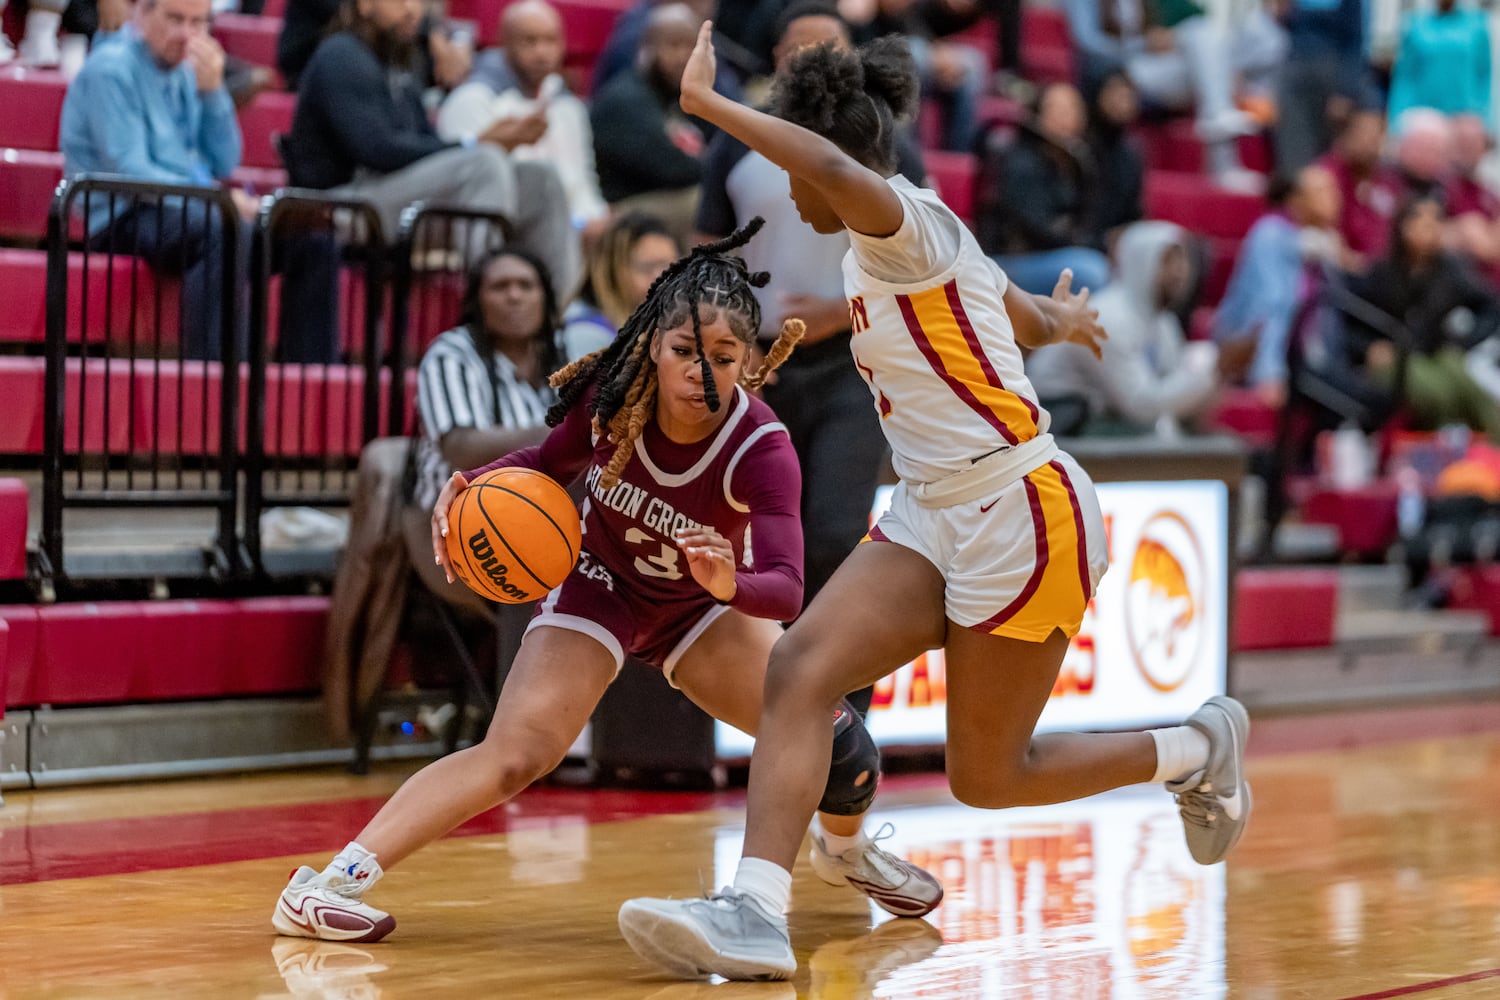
(939, 354)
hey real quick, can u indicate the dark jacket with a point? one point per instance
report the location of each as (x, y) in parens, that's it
(1119, 180)
(1445, 304)
(1034, 197)
(302, 27)
(354, 112)
(632, 150)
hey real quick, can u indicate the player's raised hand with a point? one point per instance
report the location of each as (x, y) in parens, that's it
(1077, 322)
(710, 559)
(702, 67)
(455, 485)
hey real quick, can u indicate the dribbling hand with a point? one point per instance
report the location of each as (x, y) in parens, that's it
(1076, 322)
(455, 485)
(710, 559)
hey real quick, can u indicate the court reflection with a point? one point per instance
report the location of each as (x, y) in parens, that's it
(1097, 899)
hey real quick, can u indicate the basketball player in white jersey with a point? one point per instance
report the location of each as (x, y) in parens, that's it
(992, 548)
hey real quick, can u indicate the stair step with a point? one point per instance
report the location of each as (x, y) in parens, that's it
(1371, 588)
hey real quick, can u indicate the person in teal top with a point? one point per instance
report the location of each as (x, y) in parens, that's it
(1443, 62)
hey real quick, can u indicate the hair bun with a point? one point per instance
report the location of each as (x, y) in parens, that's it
(758, 279)
(890, 74)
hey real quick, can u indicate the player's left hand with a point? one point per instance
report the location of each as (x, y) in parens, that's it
(710, 559)
(698, 77)
(1077, 323)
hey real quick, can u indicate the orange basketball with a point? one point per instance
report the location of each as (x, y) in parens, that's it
(513, 535)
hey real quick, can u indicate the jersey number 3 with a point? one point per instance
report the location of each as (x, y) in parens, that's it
(663, 565)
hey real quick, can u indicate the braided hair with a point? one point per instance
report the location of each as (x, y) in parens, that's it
(623, 373)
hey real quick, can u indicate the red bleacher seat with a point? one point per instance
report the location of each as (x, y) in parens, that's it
(317, 410)
(1047, 45)
(124, 651)
(13, 505)
(4, 662)
(953, 175)
(1243, 412)
(1196, 203)
(20, 653)
(274, 8)
(1221, 257)
(248, 37)
(1174, 146)
(1365, 518)
(1285, 608)
(30, 107)
(1477, 588)
(118, 282)
(268, 114)
(28, 179)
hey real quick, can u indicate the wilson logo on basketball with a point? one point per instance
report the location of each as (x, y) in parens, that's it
(497, 571)
(1165, 600)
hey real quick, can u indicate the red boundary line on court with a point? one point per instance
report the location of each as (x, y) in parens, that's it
(1436, 984)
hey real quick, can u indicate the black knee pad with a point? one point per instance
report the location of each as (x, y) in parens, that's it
(855, 770)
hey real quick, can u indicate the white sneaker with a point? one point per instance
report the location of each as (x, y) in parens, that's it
(897, 886)
(318, 905)
(7, 50)
(1215, 802)
(727, 934)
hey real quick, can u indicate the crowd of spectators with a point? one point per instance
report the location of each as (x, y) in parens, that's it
(1377, 188)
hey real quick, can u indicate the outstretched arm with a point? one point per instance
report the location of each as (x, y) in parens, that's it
(858, 195)
(1065, 317)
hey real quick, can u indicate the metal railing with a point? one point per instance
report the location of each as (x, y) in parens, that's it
(437, 249)
(138, 413)
(318, 301)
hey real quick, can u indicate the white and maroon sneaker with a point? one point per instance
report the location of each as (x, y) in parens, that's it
(897, 886)
(327, 906)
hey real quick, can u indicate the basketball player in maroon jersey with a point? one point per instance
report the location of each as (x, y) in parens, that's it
(692, 553)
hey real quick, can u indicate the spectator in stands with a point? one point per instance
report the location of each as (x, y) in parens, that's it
(360, 130)
(152, 107)
(1119, 162)
(442, 58)
(482, 387)
(1323, 79)
(1149, 377)
(1447, 310)
(1036, 217)
(1269, 282)
(818, 393)
(1443, 62)
(1369, 190)
(1472, 206)
(521, 79)
(953, 74)
(622, 48)
(1178, 59)
(630, 253)
(1424, 152)
(647, 151)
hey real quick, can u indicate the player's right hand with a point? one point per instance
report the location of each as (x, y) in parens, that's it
(698, 77)
(455, 485)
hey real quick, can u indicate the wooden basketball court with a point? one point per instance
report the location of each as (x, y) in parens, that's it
(1372, 870)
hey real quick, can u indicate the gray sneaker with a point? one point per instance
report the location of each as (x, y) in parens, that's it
(727, 934)
(1215, 802)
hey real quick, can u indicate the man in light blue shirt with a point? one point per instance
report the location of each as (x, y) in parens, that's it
(151, 106)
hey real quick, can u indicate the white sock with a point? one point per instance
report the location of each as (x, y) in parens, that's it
(766, 882)
(1180, 750)
(40, 37)
(356, 865)
(837, 845)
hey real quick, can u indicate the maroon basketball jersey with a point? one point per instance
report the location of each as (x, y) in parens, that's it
(744, 472)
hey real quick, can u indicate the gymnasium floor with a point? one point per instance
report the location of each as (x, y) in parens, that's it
(1372, 870)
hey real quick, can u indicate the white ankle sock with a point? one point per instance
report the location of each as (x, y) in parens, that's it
(766, 882)
(1180, 750)
(837, 845)
(358, 866)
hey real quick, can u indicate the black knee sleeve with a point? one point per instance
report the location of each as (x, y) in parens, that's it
(855, 770)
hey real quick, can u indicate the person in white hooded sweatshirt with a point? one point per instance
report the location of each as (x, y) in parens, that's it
(1149, 377)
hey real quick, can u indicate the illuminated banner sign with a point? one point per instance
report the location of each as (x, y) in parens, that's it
(1153, 645)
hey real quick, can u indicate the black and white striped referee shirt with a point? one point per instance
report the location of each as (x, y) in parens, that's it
(454, 389)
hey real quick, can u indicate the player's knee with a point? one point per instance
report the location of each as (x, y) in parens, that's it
(987, 784)
(794, 675)
(854, 771)
(520, 762)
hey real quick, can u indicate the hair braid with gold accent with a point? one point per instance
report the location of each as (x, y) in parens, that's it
(624, 374)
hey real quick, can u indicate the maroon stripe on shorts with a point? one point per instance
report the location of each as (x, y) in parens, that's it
(1039, 526)
(1083, 547)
